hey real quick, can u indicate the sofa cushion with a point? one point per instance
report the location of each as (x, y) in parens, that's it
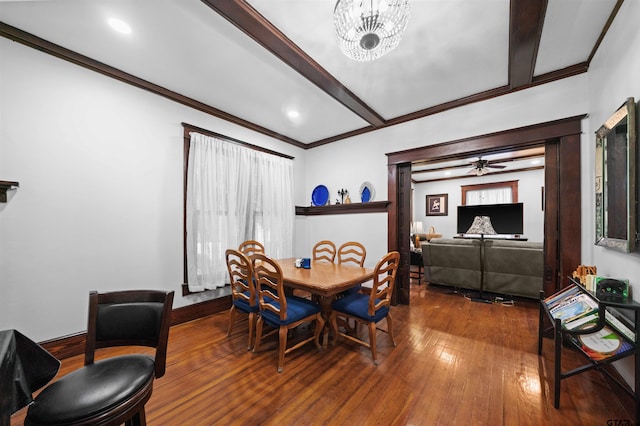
(513, 267)
(453, 262)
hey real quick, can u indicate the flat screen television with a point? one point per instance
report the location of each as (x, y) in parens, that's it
(506, 218)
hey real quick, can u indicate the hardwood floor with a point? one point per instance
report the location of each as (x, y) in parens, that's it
(457, 363)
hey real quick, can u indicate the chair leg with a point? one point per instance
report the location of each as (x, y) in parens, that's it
(372, 341)
(232, 316)
(252, 321)
(258, 334)
(390, 328)
(282, 347)
(139, 419)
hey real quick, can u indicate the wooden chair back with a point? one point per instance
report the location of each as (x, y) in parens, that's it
(384, 278)
(269, 284)
(352, 252)
(250, 247)
(130, 318)
(324, 250)
(241, 276)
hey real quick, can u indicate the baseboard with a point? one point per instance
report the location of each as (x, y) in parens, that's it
(68, 346)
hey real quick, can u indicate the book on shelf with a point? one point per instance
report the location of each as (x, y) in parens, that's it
(618, 323)
(602, 344)
(574, 307)
(560, 296)
(582, 322)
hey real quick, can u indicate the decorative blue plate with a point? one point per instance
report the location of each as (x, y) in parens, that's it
(367, 192)
(320, 195)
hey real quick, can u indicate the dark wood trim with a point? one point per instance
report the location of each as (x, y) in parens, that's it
(191, 128)
(67, 346)
(399, 233)
(551, 272)
(513, 184)
(199, 310)
(605, 29)
(5, 186)
(72, 345)
(525, 28)
(569, 225)
(526, 136)
(249, 21)
(370, 207)
(60, 52)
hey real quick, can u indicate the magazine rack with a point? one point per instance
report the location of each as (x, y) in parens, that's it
(596, 324)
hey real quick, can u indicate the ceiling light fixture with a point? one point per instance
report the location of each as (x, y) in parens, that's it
(369, 29)
(120, 26)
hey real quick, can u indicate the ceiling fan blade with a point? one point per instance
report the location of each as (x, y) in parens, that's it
(497, 166)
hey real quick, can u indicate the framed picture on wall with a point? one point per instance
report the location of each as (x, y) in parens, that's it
(438, 205)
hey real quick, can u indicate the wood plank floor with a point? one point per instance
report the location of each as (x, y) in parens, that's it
(457, 363)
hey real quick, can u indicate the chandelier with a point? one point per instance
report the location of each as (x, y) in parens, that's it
(369, 29)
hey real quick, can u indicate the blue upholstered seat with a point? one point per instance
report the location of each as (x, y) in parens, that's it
(297, 309)
(357, 305)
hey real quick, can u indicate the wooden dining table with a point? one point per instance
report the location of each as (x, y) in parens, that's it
(325, 280)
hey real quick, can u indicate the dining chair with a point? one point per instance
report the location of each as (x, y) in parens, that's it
(250, 247)
(280, 311)
(324, 250)
(112, 390)
(352, 252)
(371, 308)
(243, 293)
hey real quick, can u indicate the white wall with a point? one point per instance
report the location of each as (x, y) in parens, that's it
(99, 205)
(529, 193)
(613, 77)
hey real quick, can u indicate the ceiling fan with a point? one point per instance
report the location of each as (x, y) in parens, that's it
(481, 167)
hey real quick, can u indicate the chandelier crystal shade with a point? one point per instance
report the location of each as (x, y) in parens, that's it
(369, 29)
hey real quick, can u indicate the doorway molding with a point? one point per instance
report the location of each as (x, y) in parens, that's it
(562, 236)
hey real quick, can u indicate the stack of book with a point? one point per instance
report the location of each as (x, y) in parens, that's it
(573, 308)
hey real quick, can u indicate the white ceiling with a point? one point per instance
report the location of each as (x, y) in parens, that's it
(453, 49)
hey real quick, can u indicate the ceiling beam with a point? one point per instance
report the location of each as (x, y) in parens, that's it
(523, 169)
(525, 29)
(249, 21)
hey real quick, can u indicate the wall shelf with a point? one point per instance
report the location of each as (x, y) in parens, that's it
(6, 185)
(370, 207)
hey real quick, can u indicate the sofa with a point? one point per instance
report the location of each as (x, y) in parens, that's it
(498, 266)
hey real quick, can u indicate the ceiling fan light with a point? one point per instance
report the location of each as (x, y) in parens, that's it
(367, 30)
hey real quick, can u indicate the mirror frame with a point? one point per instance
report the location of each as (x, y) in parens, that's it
(615, 188)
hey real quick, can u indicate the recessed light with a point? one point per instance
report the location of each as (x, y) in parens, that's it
(120, 26)
(535, 161)
(293, 114)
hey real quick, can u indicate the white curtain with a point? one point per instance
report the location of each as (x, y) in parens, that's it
(489, 196)
(234, 194)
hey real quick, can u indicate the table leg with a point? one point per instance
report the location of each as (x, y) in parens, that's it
(325, 305)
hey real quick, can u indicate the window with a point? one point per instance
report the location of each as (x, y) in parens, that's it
(490, 193)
